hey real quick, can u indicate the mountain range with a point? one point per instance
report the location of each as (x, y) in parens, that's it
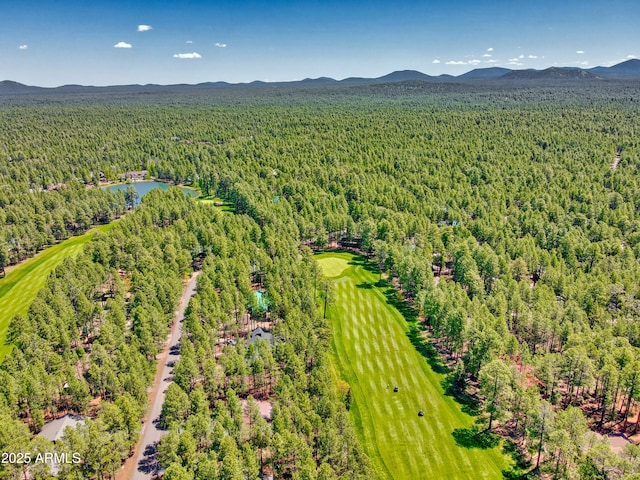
(628, 70)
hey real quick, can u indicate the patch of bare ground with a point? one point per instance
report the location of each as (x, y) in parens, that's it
(618, 442)
(265, 407)
(616, 161)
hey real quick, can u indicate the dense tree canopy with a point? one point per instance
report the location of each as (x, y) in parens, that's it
(493, 208)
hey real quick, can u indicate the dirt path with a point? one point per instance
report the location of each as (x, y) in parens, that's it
(616, 161)
(142, 465)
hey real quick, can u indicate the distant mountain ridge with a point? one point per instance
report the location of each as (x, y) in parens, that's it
(627, 70)
(9, 86)
(550, 73)
(491, 72)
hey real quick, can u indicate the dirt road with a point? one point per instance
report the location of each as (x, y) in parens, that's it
(143, 464)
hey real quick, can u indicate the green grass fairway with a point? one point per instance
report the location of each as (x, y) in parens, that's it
(22, 283)
(223, 206)
(374, 353)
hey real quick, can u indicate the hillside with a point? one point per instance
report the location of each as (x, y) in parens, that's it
(625, 70)
(485, 73)
(9, 86)
(628, 70)
(553, 73)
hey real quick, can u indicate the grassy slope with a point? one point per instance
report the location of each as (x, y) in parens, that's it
(374, 353)
(22, 283)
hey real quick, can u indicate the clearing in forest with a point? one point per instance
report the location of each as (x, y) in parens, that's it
(374, 354)
(218, 202)
(23, 282)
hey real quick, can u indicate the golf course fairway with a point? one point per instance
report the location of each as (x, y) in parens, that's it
(374, 354)
(23, 282)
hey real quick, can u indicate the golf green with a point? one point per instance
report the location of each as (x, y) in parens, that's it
(23, 282)
(374, 354)
(333, 266)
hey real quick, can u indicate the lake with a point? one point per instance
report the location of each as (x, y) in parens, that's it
(145, 187)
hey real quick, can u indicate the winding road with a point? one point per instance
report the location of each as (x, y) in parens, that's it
(143, 464)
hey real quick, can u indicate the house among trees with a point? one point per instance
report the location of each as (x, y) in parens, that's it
(134, 175)
(54, 430)
(260, 333)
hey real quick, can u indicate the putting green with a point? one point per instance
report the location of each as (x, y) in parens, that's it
(374, 354)
(219, 203)
(23, 282)
(334, 265)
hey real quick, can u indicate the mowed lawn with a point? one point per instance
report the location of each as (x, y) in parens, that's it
(22, 283)
(374, 353)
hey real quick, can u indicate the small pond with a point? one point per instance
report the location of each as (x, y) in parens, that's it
(145, 187)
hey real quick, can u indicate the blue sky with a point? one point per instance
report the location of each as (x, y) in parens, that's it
(97, 42)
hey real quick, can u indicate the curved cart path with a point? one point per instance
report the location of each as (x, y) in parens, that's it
(143, 465)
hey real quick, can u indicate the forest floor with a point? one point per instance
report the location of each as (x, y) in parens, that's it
(142, 464)
(377, 345)
(23, 281)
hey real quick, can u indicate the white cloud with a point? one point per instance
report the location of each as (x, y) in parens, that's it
(220, 45)
(23, 47)
(490, 49)
(144, 28)
(579, 52)
(491, 61)
(187, 55)
(585, 63)
(515, 59)
(520, 57)
(122, 45)
(454, 62)
(516, 63)
(628, 56)
(436, 61)
(189, 41)
(487, 55)
(533, 56)
(474, 62)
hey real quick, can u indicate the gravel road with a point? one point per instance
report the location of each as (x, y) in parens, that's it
(145, 465)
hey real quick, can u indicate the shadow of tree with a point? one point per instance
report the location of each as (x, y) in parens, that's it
(149, 463)
(522, 463)
(365, 285)
(470, 403)
(517, 475)
(473, 438)
(425, 348)
(366, 264)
